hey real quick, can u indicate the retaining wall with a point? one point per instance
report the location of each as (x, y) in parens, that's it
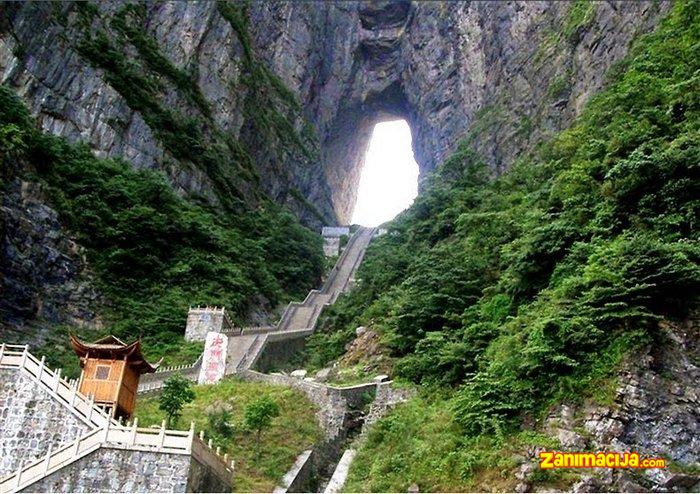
(118, 470)
(31, 420)
(277, 353)
(301, 477)
(386, 397)
(333, 402)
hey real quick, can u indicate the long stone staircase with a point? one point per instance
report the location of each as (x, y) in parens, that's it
(103, 430)
(298, 319)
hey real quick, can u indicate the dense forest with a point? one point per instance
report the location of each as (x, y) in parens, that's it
(153, 252)
(504, 296)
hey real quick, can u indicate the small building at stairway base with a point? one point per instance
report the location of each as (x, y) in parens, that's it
(53, 438)
(111, 372)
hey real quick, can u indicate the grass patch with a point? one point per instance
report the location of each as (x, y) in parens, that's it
(295, 430)
(580, 15)
(419, 442)
(559, 85)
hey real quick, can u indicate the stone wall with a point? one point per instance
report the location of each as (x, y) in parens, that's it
(201, 321)
(331, 246)
(277, 353)
(202, 479)
(190, 372)
(31, 420)
(335, 231)
(386, 398)
(340, 474)
(301, 477)
(334, 403)
(118, 470)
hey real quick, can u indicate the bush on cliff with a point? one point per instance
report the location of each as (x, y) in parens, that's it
(522, 290)
(154, 252)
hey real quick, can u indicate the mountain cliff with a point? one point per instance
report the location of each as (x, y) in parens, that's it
(291, 90)
(541, 291)
(247, 107)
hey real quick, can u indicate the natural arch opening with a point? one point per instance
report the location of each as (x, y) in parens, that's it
(389, 178)
(347, 142)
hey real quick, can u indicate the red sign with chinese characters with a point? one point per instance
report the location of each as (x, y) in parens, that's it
(214, 360)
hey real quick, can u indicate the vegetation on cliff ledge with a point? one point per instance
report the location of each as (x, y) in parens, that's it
(154, 252)
(509, 295)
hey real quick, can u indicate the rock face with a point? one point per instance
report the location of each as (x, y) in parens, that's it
(44, 273)
(509, 72)
(292, 90)
(655, 412)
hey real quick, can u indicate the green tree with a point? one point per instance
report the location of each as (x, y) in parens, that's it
(219, 422)
(259, 415)
(176, 392)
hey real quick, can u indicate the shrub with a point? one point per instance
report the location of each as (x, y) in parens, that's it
(177, 391)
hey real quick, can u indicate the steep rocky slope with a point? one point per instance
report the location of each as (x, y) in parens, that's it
(552, 308)
(238, 102)
(516, 69)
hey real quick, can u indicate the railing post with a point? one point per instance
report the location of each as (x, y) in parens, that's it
(91, 403)
(41, 368)
(133, 430)
(2, 350)
(18, 476)
(73, 391)
(24, 357)
(107, 430)
(48, 459)
(190, 437)
(161, 436)
(57, 381)
(76, 450)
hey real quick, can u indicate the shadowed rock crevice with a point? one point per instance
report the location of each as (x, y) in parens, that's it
(378, 15)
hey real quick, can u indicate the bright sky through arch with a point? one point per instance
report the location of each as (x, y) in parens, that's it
(389, 180)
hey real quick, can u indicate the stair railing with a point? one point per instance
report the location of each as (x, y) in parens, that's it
(66, 392)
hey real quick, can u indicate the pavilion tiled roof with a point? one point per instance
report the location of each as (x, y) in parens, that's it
(111, 347)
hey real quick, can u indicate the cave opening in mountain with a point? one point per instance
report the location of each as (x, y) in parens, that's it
(389, 178)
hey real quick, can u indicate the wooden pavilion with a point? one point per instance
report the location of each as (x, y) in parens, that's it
(111, 370)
